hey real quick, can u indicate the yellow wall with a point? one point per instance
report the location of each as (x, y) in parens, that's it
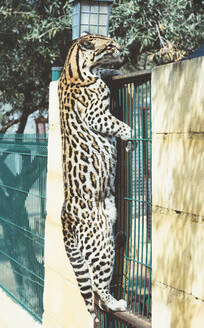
(64, 306)
(178, 194)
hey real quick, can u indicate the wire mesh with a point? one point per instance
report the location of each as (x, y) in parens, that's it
(132, 275)
(23, 167)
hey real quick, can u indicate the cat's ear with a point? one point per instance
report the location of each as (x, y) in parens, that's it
(85, 44)
(85, 33)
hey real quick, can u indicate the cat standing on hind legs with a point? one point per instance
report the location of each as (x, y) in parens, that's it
(89, 151)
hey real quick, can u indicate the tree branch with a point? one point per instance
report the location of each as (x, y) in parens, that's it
(9, 124)
(10, 11)
(161, 39)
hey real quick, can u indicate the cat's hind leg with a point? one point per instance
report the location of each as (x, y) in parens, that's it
(83, 277)
(79, 265)
(102, 275)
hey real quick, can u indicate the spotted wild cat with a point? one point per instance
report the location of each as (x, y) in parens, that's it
(89, 134)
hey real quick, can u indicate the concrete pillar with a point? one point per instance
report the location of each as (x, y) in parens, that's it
(178, 194)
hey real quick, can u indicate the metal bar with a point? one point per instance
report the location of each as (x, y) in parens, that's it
(22, 191)
(132, 319)
(137, 77)
(138, 215)
(139, 262)
(150, 154)
(135, 193)
(22, 266)
(146, 186)
(128, 318)
(24, 154)
(125, 184)
(142, 203)
(29, 279)
(21, 303)
(129, 184)
(21, 228)
(138, 200)
(33, 138)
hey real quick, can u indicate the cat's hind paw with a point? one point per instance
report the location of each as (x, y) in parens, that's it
(118, 306)
(115, 306)
(123, 305)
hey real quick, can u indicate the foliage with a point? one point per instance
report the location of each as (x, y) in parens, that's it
(164, 30)
(36, 35)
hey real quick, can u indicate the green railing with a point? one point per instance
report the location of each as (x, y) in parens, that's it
(23, 166)
(132, 276)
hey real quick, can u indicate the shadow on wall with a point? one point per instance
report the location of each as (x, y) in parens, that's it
(178, 157)
(178, 89)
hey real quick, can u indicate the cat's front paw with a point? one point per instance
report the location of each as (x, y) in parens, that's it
(131, 145)
(130, 140)
(128, 146)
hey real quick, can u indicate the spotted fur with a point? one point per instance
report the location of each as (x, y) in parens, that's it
(89, 134)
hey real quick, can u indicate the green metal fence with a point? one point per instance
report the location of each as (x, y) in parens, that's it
(132, 276)
(23, 165)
